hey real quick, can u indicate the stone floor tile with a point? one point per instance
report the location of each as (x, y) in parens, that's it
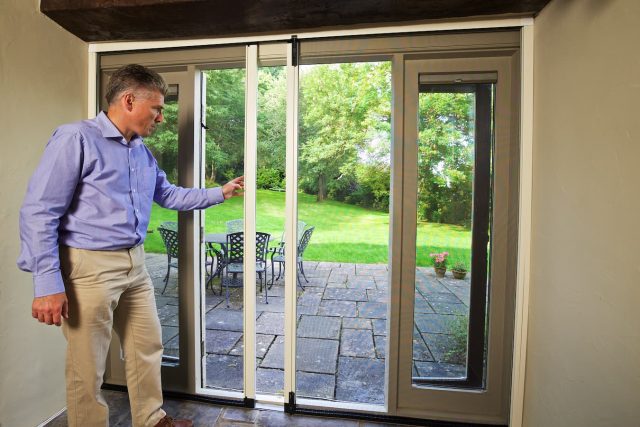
(319, 327)
(270, 323)
(308, 309)
(337, 278)
(225, 319)
(356, 323)
(381, 346)
(310, 297)
(360, 380)
(168, 332)
(171, 347)
(442, 297)
(345, 294)
(361, 282)
(316, 355)
(337, 308)
(449, 308)
(440, 370)
(433, 323)
(372, 310)
(439, 345)
(321, 386)
(357, 343)
(224, 372)
(421, 351)
(379, 326)
(275, 305)
(245, 415)
(221, 342)
(201, 414)
(421, 305)
(378, 295)
(168, 315)
(280, 419)
(337, 285)
(270, 381)
(263, 342)
(274, 357)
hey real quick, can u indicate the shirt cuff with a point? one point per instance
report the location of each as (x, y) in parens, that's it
(48, 284)
(215, 195)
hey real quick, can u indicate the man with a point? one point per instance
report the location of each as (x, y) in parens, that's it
(82, 226)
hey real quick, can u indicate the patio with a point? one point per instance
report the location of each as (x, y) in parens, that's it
(341, 330)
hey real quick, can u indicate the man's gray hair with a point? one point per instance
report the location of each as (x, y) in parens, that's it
(134, 77)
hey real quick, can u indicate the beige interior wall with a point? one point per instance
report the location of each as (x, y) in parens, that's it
(43, 76)
(583, 361)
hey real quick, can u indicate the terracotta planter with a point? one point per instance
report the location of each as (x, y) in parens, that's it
(458, 274)
(440, 271)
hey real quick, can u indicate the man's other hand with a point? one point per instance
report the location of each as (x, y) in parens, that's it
(50, 308)
(233, 187)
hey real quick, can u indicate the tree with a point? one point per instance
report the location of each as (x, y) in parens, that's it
(342, 107)
(445, 160)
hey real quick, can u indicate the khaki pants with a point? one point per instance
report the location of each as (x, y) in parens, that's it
(110, 290)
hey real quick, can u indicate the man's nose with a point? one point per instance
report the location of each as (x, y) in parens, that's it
(160, 118)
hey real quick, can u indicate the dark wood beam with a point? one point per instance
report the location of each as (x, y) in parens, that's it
(109, 20)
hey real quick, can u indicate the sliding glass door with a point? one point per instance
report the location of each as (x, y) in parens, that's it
(369, 265)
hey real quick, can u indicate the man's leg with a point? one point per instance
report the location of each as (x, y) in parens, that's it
(88, 332)
(137, 324)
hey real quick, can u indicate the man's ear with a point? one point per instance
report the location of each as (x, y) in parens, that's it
(127, 101)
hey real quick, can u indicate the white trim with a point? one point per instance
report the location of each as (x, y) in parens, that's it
(250, 160)
(92, 77)
(395, 29)
(524, 229)
(291, 220)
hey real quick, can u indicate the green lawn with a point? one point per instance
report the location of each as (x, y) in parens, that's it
(343, 233)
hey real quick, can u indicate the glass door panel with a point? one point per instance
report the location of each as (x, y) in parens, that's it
(453, 358)
(343, 231)
(161, 244)
(270, 217)
(223, 335)
(454, 152)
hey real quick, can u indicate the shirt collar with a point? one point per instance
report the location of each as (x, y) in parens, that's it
(109, 130)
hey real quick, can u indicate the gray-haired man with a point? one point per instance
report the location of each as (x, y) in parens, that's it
(82, 226)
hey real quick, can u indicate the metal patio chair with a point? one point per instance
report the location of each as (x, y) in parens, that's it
(279, 257)
(234, 260)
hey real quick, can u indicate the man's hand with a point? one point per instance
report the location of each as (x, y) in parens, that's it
(233, 187)
(48, 309)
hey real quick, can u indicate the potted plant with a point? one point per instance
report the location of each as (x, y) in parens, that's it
(439, 263)
(459, 270)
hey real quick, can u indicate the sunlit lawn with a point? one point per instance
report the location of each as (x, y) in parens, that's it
(343, 232)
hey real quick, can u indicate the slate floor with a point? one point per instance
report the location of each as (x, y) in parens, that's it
(341, 330)
(210, 415)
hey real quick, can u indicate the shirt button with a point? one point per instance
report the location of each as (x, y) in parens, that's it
(134, 190)
(137, 210)
(133, 169)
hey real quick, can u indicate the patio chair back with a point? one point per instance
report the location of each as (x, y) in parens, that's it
(235, 248)
(304, 241)
(235, 226)
(169, 232)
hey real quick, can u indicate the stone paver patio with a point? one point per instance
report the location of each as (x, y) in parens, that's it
(341, 330)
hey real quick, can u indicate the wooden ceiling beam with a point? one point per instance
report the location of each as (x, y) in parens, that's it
(111, 20)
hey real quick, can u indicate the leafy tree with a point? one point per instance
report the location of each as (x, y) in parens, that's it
(343, 106)
(445, 160)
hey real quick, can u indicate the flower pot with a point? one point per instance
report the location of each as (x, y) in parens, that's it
(459, 274)
(440, 271)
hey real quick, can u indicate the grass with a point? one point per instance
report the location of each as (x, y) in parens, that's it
(343, 233)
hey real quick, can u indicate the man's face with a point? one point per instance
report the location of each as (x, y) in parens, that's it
(146, 112)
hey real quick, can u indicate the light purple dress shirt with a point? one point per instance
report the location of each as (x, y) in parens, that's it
(93, 190)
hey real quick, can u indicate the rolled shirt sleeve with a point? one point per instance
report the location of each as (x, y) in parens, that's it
(49, 193)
